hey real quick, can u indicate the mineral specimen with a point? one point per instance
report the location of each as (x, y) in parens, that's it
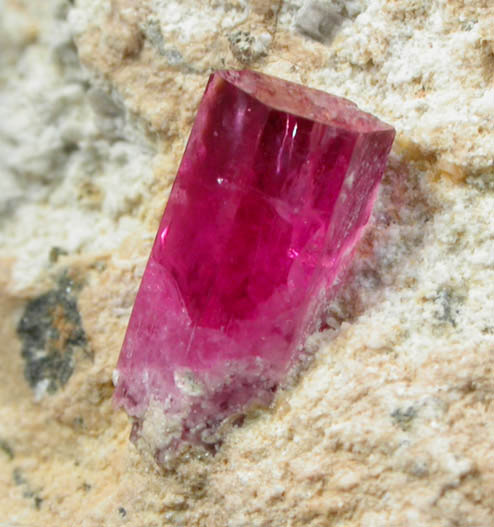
(275, 187)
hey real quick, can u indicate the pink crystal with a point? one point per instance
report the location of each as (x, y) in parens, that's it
(275, 187)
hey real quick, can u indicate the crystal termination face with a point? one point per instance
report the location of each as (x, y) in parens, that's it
(275, 187)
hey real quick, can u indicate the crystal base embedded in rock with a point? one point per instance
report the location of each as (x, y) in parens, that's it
(275, 187)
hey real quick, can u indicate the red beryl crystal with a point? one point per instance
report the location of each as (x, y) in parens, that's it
(275, 187)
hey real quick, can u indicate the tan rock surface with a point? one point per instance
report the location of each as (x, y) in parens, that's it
(391, 424)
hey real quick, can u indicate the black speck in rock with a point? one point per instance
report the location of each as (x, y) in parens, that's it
(403, 417)
(28, 491)
(7, 449)
(447, 302)
(18, 477)
(52, 334)
(55, 253)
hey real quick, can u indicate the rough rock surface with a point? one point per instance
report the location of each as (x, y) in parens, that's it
(391, 423)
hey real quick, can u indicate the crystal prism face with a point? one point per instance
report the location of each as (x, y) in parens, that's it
(275, 187)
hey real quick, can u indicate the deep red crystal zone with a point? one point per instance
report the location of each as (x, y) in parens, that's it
(275, 187)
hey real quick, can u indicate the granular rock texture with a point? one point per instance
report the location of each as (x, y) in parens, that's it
(391, 422)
